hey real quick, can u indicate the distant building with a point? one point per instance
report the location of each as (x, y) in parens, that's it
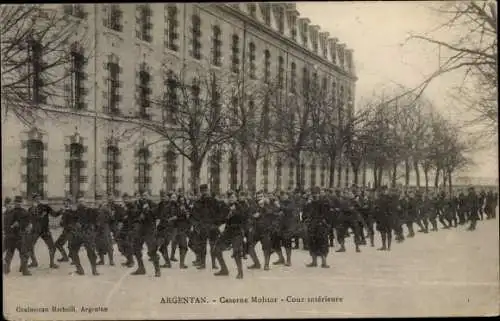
(78, 147)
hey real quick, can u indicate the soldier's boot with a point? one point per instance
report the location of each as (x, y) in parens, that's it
(24, 267)
(255, 259)
(172, 254)
(389, 241)
(78, 265)
(141, 270)
(384, 247)
(64, 255)
(214, 262)
(167, 259)
(434, 226)
(182, 258)
(130, 261)
(203, 260)
(52, 255)
(288, 257)
(8, 260)
(357, 248)
(281, 259)
(223, 267)
(239, 267)
(101, 259)
(342, 248)
(156, 264)
(267, 258)
(372, 239)
(197, 260)
(94, 270)
(323, 262)
(296, 243)
(34, 261)
(411, 233)
(314, 262)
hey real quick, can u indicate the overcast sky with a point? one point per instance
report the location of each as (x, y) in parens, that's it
(376, 32)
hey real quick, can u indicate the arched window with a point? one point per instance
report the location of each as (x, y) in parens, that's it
(143, 175)
(75, 168)
(112, 170)
(34, 170)
(216, 46)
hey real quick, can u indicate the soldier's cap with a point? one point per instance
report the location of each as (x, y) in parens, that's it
(18, 199)
(242, 194)
(162, 193)
(8, 200)
(98, 197)
(125, 195)
(315, 190)
(229, 193)
(203, 188)
(35, 196)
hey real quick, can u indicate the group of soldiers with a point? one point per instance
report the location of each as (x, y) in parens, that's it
(236, 222)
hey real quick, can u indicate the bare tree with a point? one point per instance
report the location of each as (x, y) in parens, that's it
(35, 46)
(472, 52)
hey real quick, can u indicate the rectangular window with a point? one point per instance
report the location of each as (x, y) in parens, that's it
(216, 46)
(267, 66)
(279, 169)
(144, 91)
(113, 87)
(143, 168)
(235, 57)
(323, 172)
(77, 79)
(251, 57)
(172, 33)
(171, 167)
(233, 169)
(34, 167)
(313, 173)
(252, 9)
(265, 173)
(143, 20)
(305, 80)
(36, 83)
(113, 17)
(281, 20)
(291, 174)
(171, 99)
(196, 35)
(112, 170)
(281, 71)
(75, 168)
(293, 78)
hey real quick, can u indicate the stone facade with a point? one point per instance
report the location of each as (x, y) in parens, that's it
(103, 152)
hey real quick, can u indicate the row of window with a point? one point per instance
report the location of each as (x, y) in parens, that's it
(113, 17)
(35, 165)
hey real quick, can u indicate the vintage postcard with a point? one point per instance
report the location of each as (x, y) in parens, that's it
(249, 160)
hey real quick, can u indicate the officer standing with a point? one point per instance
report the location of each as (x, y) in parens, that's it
(17, 228)
(384, 218)
(84, 235)
(40, 219)
(317, 226)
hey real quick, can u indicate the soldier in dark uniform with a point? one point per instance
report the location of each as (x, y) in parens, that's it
(182, 226)
(231, 238)
(7, 206)
(104, 242)
(489, 207)
(204, 217)
(472, 208)
(441, 207)
(288, 228)
(40, 219)
(17, 228)
(384, 208)
(67, 223)
(462, 211)
(165, 232)
(411, 213)
(481, 201)
(318, 212)
(366, 209)
(84, 234)
(144, 231)
(349, 217)
(450, 211)
(124, 218)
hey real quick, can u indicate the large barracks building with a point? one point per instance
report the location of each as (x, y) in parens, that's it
(81, 144)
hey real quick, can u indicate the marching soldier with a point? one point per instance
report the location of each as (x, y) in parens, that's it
(67, 224)
(124, 218)
(481, 201)
(144, 231)
(40, 219)
(317, 225)
(348, 218)
(384, 208)
(288, 228)
(165, 232)
(472, 208)
(84, 234)
(182, 226)
(7, 206)
(231, 238)
(104, 242)
(17, 228)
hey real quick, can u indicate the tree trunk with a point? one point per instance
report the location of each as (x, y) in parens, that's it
(436, 178)
(346, 183)
(417, 173)
(355, 171)
(450, 187)
(195, 176)
(407, 172)
(332, 173)
(394, 174)
(444, 179)
(339, 173)
(364, 173)
(252, 174)
(380, 176)
(426, 176)
(375, 177)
